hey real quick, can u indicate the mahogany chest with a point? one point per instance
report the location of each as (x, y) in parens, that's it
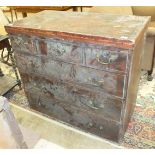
(81, 69)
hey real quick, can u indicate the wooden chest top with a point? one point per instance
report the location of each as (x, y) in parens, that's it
(108, 29)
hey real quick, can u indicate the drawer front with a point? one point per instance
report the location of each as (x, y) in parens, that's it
(111, 83)
(24, 43)
(110, 59)
(65, 51)
(86, 99)
(74, 116)
(94, 56)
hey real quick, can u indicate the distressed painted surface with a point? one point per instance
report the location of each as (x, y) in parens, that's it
(95, 79)
(68, 76)
(86, 99)
(74, 116)
(98, 57)
(26, 43)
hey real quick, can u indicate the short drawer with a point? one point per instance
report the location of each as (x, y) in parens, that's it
(86, 99)
(107, 58)
(65, 51)
(74, 116)
(111, 83)
(24, 43)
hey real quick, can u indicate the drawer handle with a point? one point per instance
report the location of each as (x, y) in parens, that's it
(111, 58)
(88, 103)
(92, 106)
(100, 82)
(102, 62)
(90, 124)
(60, 52)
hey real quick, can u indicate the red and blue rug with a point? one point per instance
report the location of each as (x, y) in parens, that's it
(141, 129)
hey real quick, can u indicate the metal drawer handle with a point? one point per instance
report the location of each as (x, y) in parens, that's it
(91, 105)
(88, 103)
(90, 124)
(102, 62)
(60, 52)
(95, 81)
(111, 58)
(101, 127)
(101, 81)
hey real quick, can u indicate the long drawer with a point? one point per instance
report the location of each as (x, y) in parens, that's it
(98, 80)
(74, 116)
(94, 56)
(96, 102)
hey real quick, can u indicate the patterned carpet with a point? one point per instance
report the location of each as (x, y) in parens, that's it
(141, 129)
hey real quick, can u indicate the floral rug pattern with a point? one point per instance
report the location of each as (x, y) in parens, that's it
(141, 129)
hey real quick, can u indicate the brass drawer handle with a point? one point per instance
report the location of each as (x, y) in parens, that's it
(111, 58)
(100, 82)
(60, 52)
(91, 105)
(90, 124)
(102, 62)
(88, 103)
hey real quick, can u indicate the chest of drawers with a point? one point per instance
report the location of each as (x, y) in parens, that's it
(81, 68)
